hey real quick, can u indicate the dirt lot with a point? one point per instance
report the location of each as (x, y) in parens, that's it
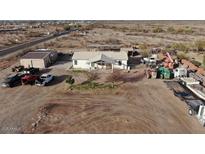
(29, 33)
(147, 34)
(146, 106)
(136, 106)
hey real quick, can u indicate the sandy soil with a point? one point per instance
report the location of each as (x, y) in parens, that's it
(144, 107)
(147, 106)
(8, 39)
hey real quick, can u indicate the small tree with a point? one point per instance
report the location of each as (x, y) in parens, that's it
(92, 76)
(70, 80)
(114, 77)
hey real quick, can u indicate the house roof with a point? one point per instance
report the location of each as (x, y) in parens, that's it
(35, 55)
(94, 55)
(102, 57)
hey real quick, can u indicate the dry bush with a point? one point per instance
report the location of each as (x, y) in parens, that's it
(135, 78)
(171, 30)
(182, 56)
(113, 41)
(92, 76)
(116, 76)
(200, 45)
(157, 30)
(34, 34)
(180, 47)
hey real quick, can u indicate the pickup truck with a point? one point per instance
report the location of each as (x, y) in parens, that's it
(11, 81)
(44, 80)
(29, 79)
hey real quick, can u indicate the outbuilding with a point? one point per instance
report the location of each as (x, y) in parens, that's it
(100, 60)
(39, 59)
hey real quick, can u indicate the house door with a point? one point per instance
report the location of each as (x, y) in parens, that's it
(108, 66)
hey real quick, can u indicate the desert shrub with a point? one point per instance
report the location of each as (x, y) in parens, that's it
(70, 80)
(180, 46)
(144, 49)
(181, 30)
(185, 30)
(112, 41)
(34, 34)
(157, 30)
(116, 76)
(66, 27)
(92, 76)
(204, 61)
(144, 53)
(200, 45)
(182, 56)
(171, 30)
(196, 63)
(188, 30)
(13, 41)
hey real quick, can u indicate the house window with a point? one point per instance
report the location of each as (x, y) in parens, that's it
(75, 62)
(119, 63)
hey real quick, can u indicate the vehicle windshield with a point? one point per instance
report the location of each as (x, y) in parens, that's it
(43, 77)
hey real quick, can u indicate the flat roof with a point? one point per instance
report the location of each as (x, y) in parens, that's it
(35, 55)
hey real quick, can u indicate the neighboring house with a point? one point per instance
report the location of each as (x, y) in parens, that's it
(100, 60)
(39, 59)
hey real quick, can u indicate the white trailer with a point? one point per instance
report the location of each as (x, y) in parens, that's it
(196, 107)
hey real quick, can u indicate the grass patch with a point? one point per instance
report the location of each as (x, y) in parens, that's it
(181, 30)
(79, 71)
(90, 85)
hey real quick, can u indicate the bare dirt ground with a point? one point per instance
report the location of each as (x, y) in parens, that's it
(146, 106)
(131, 33)
(12, 38)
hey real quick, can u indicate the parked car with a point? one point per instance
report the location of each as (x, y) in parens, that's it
(44, 79)
(29, 79)
(11, 80)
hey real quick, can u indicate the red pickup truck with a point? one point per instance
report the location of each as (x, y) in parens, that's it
(29, 79)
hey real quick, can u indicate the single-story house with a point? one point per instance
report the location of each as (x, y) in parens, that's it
(100, 60)
(38, 59)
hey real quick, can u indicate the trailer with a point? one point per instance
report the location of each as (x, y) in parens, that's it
(196, 107)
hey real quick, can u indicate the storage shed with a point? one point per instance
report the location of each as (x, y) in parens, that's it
(38, 59)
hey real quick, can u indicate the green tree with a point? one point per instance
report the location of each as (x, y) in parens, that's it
(70, 80)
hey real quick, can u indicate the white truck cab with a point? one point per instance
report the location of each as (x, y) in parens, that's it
(201, 114)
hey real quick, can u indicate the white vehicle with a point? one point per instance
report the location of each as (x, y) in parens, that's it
(150, 60)
(44, 79)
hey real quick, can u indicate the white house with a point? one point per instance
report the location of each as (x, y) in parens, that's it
(100, 60)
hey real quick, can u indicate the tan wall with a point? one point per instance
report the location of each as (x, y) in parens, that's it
(38, 63)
